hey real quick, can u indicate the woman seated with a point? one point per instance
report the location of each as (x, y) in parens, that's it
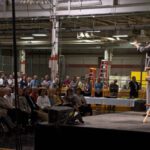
(43, 101)
(58, 101)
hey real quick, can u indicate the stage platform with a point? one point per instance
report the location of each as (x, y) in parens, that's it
(106, 130)
(128, 121)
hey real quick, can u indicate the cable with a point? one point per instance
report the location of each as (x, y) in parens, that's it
(18, 135)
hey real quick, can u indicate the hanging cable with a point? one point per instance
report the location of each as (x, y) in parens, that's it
(15, 55)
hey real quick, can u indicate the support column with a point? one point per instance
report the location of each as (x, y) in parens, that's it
(106, 55)
(53, 62)
(22, 57)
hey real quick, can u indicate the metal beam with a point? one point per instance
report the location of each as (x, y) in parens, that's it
(119, 9)
(106, 11)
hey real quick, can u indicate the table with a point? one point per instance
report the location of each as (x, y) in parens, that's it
(110, 101)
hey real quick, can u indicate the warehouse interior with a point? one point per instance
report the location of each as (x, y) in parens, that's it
(83, 33)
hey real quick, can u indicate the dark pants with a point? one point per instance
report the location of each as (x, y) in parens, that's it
(18, 116)
(134, 94)
(85, 109)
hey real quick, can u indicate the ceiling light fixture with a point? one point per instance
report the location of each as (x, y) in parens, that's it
(27, 38)
(120, 35)
(87, 35)
(39, 35)
(94, 31)
(110, 38)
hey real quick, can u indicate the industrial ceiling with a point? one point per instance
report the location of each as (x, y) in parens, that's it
(86, 26)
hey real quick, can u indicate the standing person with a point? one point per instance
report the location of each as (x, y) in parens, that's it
(87, 87)
(146, 49)
(98, 88)
(114, 88)
(134, 88)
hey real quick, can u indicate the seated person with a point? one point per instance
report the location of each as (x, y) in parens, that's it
(58, 101)
(83, 107)
(43, 101)
(36, 113)
(71, 100)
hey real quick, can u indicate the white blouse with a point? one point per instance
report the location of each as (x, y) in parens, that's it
(43, 101)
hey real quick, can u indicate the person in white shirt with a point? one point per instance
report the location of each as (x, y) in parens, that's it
(43, 101)
(10, 81)
(9, 96)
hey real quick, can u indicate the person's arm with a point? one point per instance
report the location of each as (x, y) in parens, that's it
(141, 48)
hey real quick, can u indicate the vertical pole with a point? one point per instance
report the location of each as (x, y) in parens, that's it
(106, 55)
(22, 61)
(18, 137)
(54, 53)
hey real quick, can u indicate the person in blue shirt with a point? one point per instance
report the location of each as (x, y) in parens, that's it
(98, 88)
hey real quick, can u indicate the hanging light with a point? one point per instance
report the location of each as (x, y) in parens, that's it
(87, 35)
(82, 35)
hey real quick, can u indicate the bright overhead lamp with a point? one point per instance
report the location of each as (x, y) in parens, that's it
(39, 35)
(27, 38)
(111, 39)
(81, 34)
(94, 31)
(87, 35)
(120, 36)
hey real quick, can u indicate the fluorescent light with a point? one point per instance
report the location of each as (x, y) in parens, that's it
(27, 38)
(120, 35)
(94, 31)
(87, 35)
(78, 36)
(39, 35)
(81, 34)
(118, 38)
(111, 39)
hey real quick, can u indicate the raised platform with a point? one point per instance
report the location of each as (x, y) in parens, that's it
(101, 130)
(127, 121)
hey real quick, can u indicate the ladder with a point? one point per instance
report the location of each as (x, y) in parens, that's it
(147, 62)
(103, 72)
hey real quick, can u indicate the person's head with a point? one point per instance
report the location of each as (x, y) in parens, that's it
(46, 77)
(27, 91)
(133, 78)
(10, 76)
(42, 91)
(69, 92)
(35, 77)
(67, 77)
(74, 78)
(98, 80)
(58, 91)
(20, 92)
(78, 91)
(29, 79)
(78, 78)
(24, 77)
(115, 81)
(8, 91)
